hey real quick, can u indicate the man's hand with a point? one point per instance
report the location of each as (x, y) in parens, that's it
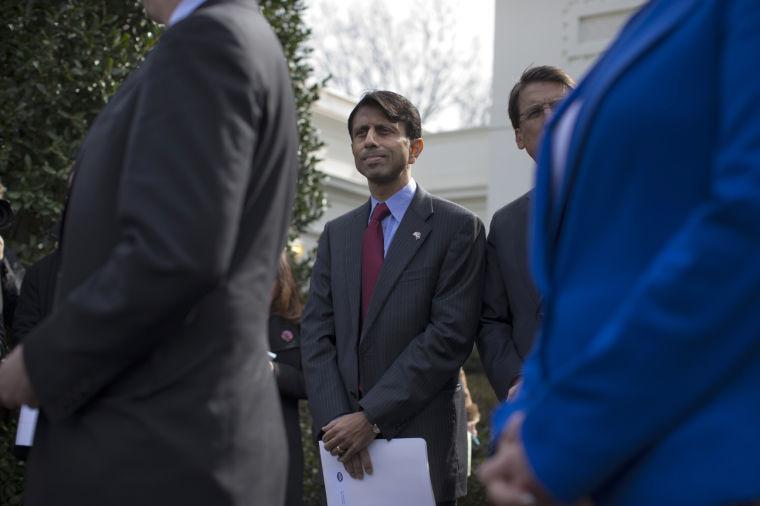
(15, 388)
(359, 464)
(514, 389)
(508, 477)
(347, 437)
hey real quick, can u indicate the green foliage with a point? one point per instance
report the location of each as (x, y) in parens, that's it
(60, 61)
(312, 481)
(286, 18)
(484, 397)
(11, 472)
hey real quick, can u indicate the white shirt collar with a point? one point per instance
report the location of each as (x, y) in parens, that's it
(183, 10)
(399, 202)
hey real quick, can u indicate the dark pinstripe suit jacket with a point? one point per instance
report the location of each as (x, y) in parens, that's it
(419, 329)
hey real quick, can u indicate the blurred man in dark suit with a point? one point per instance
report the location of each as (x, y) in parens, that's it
(152, 372)
(511, 304)
(393, 306)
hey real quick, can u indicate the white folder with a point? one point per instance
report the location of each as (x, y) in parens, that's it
(401, 476)
(27, 423)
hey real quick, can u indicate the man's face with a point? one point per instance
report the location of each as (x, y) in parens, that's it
(534, 104)
(382, 151)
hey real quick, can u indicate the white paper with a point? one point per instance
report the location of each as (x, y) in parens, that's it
(27, 422)
(401, 476)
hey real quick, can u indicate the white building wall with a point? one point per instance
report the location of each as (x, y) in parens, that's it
(480, 168)
(452, 166)
(569, 34)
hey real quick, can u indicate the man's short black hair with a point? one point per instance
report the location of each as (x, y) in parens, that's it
(543, 73)
(395, 107)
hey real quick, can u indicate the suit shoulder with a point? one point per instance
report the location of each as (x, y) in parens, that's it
(228, 30)
(443, 206)
(343, 219)
(518, 207)
(233, 16)
(45, 266)
(456, 218)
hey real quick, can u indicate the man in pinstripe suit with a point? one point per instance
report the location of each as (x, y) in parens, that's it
(381, 352)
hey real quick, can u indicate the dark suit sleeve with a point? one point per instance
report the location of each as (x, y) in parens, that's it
(10, 293)
(324, 385)
(496, 345)
(435, 355)
(289, 378)
(29, 310)
(190, 146)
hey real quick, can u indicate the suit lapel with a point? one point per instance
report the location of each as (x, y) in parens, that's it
(523, 248)
(655, 21)
(412, 232)
(353, 263)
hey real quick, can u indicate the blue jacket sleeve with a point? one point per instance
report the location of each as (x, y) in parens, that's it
(701, 295)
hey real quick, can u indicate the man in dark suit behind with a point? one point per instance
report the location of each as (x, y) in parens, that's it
(391, 317)
(37, 295)
(152, 372)
(511, 304)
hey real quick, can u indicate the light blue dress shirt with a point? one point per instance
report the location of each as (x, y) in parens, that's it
(397, 204)
(183, 10)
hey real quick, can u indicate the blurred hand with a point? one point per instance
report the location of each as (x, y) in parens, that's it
(2, 248)
(507, 475)
(514, 390)
(15, 388)
(359, 464)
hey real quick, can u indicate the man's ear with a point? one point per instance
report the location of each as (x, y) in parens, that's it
(415, 149)
(519, 139)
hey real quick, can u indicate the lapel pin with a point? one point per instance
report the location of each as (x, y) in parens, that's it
(417, 235)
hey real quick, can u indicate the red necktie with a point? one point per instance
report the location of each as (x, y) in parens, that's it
(372, 254)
